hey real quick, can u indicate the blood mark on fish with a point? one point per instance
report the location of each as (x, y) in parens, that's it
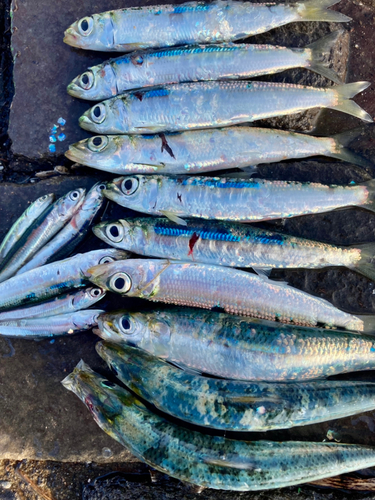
(192, 242)
(138, 95)
(166, 146)
(179, 197)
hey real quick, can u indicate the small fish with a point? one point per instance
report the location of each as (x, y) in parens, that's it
(235, 347)
(230, 244)
(72, 234)
(61, 324)
(219, 21)
(59, 214)
(233, 405)
(233, 290)
(205, 460)
(53, 279)
(189, 106)
(237, 200)
(206, 150)
(23, 224)
(71, 302)
(198, 63)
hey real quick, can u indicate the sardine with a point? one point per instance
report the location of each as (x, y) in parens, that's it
(199, 63)
(71, 302)
(234, 405)
(59, 214)
(61, 324)
(22, 225)
(238, 200)
(72, 234)
(206, 150)
(53, 279)
(235, 291)
(206, 460)
(230, 244)
(235, 347)
(193, 22)
(189, 106)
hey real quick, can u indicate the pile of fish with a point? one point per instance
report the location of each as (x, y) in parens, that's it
(162, 111)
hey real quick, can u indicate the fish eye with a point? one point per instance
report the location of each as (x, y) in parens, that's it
(106, 260)
(86, 80)
(95, 292)
(120, 283)
(115, 232)
(101, 187)
(114, 369)
(97, 143)
(107, 383)
(129, 185)
(85, 26)
(74, 195)
(43, 198)
(98, 113)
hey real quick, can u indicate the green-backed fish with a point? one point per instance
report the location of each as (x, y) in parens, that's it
(235, 347)
(230, 244)
(235, 291)
(234, 405)
(206, 460)
(219, 21)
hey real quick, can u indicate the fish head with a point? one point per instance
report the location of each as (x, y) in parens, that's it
(41, 203)
(87, 297)
(95, 84)
(107, 117)
(101, 151)
(105, 400)
(71, 202)
(91, 32)
(86, 319)
(97, 257)
(119, 234)
(94, 199)
(132, 277)
(138, 192)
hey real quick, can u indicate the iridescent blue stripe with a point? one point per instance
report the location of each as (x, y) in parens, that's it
(218, 183)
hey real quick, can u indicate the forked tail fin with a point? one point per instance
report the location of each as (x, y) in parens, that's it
(368, 321)
(341, 152)
(370, 202)
(316, 10)
(319, 51)
(344, 93)
(366, 264)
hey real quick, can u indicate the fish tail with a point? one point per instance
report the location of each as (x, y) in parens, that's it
(370, 202)
(341, 152)
(344, 93)
(368, 321)
(316, 10)
(366, 263)
(319, 52)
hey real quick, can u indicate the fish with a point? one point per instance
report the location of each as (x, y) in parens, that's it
(235, 291)
(206, 460)
(200, 151)
(198, 63)
(51, 326)
(53, 279)
(240, 348)
(59, 214)
(72, 234)
(200, 105)
(233, 199)
(219, 21)
(70, 302)
(230, 244)
(233, 405)
(23, 224)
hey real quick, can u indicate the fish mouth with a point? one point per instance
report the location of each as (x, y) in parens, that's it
(86, 123)
(70, 38)
(78, 151)
(75, 90)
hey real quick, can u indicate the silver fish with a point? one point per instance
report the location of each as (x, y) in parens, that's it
(189, 106)
(72, 234)
(230, 244)
(205, 460)
(53, 279)
(60, 213)
(61, 324)
(208, 286)
(236, 347)
(71, 302)
(233, 405)
(193, 22)
(198, 63)
(238, 200)
(23, 224)
(206, 150)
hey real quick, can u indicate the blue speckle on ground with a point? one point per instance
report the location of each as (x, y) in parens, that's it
(52, 148)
